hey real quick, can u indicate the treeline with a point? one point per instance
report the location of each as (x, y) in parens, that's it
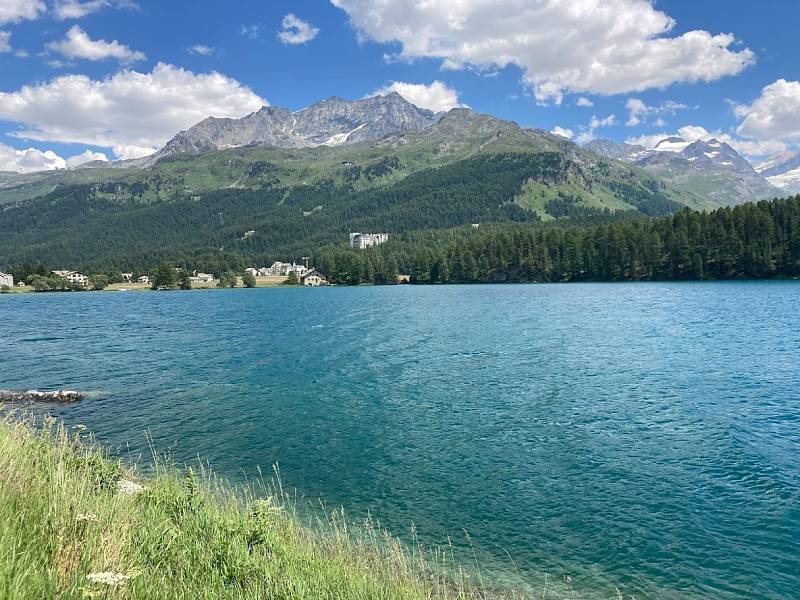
(754, 240)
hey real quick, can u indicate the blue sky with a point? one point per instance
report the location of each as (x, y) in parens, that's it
(119, 77)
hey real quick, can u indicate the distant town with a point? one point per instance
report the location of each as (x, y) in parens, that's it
(276, 274)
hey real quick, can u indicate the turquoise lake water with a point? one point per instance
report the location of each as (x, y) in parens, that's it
(640, 436)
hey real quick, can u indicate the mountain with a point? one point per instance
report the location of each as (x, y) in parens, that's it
(782, 171)
(331, 122)
(710, 169)
(462, 168)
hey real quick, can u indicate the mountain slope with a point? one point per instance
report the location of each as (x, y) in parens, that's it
(782, 171)
(464, 168)
(331, 122)
(710, 169)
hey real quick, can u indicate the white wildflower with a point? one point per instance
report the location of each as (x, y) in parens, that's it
(129, 488)
(109, 578)
(87, 518)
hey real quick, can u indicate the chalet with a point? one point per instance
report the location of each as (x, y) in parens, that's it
(253, 271)
(73, 277)
(6, 279)
(201, 278)
(143, 279)
(313, 278)
(127, 277)
(360, 241)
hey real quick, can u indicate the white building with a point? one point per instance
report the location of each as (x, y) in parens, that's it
(360, 241)
(313, 278)
(127, 277)
(73, 277)
(201, 278)
(6, 279)
(282, 269)
(144, 279)
(254, 272)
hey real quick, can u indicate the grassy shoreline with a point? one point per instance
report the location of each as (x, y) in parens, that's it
(73, 524)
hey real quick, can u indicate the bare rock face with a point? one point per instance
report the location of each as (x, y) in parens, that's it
(62, 396)
(331, 122)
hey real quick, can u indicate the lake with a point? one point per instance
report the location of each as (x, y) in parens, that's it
(642, 436)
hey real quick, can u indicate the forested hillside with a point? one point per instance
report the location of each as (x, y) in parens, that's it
(754, 240)
(89, 227)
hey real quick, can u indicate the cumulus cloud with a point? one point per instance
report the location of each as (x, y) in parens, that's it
(201, 49)
(595, 123)
(13, 11)
(79, 45)
(437, 96)
(563, 132)
(5, 41)
(132, 113)
(597, 46)
(692, 133)
(296, 31)
(584, 101)
(774, 115)
(84, 157)
(638, 111)
(76, 9)
(32, 159)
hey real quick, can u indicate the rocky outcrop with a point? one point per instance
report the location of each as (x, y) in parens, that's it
(332, 122)
(60, 396)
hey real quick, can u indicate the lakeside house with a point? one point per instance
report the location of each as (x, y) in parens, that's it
(282, 269)
(127, 277)
(313, 278)
(201, 278)
(253, 271)
(143, 279)
(359, 241)
(73, 277)
(6, 279)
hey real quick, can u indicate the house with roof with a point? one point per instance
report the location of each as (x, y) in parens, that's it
(75, 277)
(359, 241)
(6, 279)
(201, 278)
(313, 278)
(144, 279)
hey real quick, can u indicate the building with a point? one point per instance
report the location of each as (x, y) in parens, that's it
(360, 241)
(6, 279)
(73, 277)
(201, 278)
(143, 279)
(282, 269)
(127, 277)
(254, 272)
(313, 278)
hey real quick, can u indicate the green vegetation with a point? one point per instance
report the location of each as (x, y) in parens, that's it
(292, 279)
(248, 279)
(164, 277)
(227, 279)
(756, 240)
(68, 531)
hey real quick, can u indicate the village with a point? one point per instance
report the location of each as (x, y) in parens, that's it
(279, 273)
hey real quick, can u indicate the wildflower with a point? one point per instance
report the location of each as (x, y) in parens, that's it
(128, 488)
(108, 578)
(87, 518)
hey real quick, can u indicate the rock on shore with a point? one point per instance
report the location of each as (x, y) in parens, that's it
(62, 396)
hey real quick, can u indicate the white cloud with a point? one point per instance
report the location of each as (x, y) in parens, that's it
(596, 46)
(201, 49)
(13, 11)
(563, 132)
(774, 115)
(251, 31)
(437, 96)
(79, 45)
(595, 122)
(5, 41)
(84, 157)
(692, 133)
(584, 101)
(638, 111)
(76, 9)
(296, 31)
(132, 113)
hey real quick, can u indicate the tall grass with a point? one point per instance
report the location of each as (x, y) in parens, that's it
(68, 531)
